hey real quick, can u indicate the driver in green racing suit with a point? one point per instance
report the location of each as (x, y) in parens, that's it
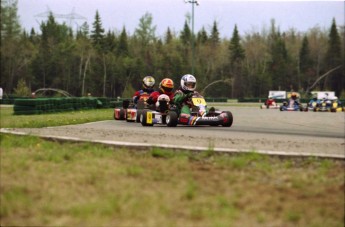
(182, 96)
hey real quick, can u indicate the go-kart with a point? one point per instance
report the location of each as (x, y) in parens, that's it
(291, 105)
(328, 106)
(274, 105)
(131, 112)
(311, 106)
(336, 107)
(167, 114)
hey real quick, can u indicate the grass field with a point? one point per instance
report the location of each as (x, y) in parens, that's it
(47, 183)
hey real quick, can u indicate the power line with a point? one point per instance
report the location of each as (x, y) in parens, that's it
(71, 17)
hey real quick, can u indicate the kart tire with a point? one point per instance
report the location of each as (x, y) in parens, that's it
(230, 119)
(143, 118)
(171, 119)
(139, 112)
(281, 108)
(121, 115)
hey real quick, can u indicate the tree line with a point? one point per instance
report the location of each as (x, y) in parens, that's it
(113, 63)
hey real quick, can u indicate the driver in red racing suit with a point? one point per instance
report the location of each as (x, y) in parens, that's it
(166, 87)
(148, 84)
(270, 102)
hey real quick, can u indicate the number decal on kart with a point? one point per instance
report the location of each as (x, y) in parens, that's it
(198, 101)
(149, 118)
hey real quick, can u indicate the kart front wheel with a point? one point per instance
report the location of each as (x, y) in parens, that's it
(171, 119)
(146, 118)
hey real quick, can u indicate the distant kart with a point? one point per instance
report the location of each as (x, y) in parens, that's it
(336, 108)
(291, 106)
(312, 106)
(328, 106)
(273, 106)
(167, 114)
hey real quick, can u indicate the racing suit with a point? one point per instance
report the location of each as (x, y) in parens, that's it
(182, 100)
(138, 94)
(270, 102)
(314, 100)
(154, 96)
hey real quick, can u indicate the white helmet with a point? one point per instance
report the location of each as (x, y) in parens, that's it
(162, 97)
(188, 82)
(148, 82)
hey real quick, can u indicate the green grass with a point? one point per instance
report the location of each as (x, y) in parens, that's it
(8, 120)
(45, 183)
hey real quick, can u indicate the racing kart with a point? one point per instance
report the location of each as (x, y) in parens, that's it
(328, 106)
(292, 106)
(273, 106)
(131, 112)
(311, 106)
(336, 107)
(167, 114)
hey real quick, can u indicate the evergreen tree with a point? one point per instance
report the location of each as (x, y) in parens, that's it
(202, 36)
(97, 34)
(214, 38)
(186, 34)
(54, 52)
(333, 59)
(306, 64)
(122, 48)
(110, 42)
(168, 36)
(237, 56)
(236, 51)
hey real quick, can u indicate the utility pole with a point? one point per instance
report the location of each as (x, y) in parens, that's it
(193, 44)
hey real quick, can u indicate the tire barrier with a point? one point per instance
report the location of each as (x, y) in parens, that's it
(54, 105)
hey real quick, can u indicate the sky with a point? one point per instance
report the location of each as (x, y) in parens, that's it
(249, 16)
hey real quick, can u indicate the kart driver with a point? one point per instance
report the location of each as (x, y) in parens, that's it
(270, 101)
(148, 84)
(293, 100)
(166, 87)
(183, 95)
(314, 100)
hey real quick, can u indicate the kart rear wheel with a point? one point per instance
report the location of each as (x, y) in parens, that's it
(121, 115)
(171, 119)
(143, 118)
(230, 120)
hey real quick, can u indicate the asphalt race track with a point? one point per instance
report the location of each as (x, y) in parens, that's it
(253, 129)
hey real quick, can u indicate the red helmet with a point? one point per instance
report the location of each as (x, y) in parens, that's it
(166, 85)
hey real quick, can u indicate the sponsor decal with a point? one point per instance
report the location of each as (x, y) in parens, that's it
(210, 118)
(149, 118)
(184, 120)
(117, 113)
(199, 101)
(192, 120)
